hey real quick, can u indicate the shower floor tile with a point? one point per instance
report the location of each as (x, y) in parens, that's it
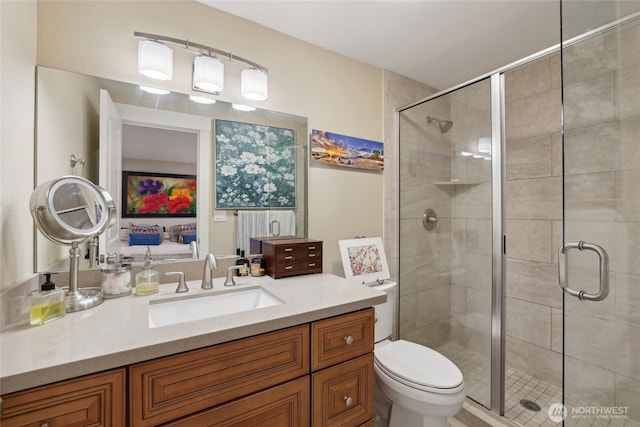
(476, 368)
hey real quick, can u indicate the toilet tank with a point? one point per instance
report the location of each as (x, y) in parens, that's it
(385, 312)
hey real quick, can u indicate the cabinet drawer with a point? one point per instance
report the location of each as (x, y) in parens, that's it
(284, 405)
(343, 394)
(298, 256)
(341, 338)
(297, 268)
(175, 386)
(94, 400)
(306, 248)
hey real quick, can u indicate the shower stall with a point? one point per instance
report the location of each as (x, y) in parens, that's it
(516, 184)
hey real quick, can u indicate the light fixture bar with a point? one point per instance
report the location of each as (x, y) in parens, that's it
(191, 45)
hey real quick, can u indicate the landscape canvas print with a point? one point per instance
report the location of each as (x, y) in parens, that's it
(347, 151)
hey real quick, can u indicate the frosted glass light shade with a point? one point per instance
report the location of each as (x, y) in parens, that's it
(202, 99)
(242, 107)
(208, 74)
(253, 84)
(154, 90)
(155, 60)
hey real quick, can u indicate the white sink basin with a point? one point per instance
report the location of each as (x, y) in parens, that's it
(196, 307)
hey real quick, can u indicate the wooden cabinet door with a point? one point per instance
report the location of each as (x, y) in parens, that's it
(286, 405)
(341, 338)
(343, 394)
(93, 400)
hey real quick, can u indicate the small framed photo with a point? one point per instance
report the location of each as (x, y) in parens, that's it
(364, 260)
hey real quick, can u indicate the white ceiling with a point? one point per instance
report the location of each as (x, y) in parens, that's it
(163, 145)
(439, 42)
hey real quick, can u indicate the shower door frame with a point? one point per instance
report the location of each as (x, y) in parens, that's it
(498, 178)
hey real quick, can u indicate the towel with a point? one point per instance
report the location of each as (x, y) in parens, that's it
(263, 224)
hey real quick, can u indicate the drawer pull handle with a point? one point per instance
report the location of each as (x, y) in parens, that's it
(288, 267)
(312, 264)
(312, 248)
(312, 255)
(44, 425)
(348, 401)
(288, 249)
(289, 257)
(348, 339)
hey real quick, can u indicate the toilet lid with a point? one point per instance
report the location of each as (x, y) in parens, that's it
(414, 364)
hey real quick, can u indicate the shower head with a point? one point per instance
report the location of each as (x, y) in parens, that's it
(444, 125)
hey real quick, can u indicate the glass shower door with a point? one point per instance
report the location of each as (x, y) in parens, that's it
(600, 263)
(446, 223)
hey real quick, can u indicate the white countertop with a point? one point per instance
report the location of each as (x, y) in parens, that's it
(116, 333)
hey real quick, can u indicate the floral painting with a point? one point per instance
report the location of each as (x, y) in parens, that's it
(340, 150)
(158, 195)
(255, 166)
(364, 260)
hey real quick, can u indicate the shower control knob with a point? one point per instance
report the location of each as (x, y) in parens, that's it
(348, 339)
(348, 401)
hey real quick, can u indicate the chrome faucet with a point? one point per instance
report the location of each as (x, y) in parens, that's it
(182, 285)
(231, 280)
(210, 264)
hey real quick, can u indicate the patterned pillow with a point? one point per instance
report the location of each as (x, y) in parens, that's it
(145, 235)
(187, 233)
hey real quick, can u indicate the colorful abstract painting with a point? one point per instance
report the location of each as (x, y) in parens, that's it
(347, 151)
(158, 195)
(255, 166)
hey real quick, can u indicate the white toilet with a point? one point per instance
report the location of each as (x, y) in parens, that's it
(420, 386)
(423, 386)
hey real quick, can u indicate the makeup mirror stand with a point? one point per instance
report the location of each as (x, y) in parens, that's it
(79, 300)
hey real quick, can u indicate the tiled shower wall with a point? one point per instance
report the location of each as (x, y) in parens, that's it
(534, 217)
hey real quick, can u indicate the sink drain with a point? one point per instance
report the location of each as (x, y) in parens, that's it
(530, 405)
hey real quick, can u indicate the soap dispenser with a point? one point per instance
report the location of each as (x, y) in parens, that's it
(148, 280)
(244, 265)
(47, 304)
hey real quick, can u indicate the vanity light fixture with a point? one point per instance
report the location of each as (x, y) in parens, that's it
(208, 74)
(208, 68)
(484, 145)
(242, 107)
(154, 90)
(155, 60)
(202, 99)
(254, 84)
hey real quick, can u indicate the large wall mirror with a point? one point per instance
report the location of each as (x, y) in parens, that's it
(141, 147)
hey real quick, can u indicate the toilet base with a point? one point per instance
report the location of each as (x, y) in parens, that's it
(402, 417)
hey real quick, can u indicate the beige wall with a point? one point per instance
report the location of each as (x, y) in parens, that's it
(96, 38)
(17, 76)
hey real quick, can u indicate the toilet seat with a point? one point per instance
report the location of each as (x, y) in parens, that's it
(418, 367)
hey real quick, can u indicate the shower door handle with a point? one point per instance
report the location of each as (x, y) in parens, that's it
(563, 270)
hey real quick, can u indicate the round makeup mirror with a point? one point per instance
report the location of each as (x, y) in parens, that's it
(68, 211)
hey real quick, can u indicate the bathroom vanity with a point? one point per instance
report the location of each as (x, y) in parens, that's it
(307, 361)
